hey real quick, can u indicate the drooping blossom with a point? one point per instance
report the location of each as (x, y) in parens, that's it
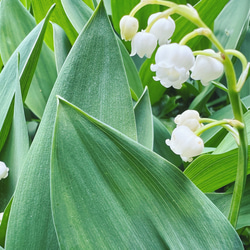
(189, 118)
(163, 28)
(206, 68)
(186, 143)
(3, 170)
(143, 44)
(173, 62)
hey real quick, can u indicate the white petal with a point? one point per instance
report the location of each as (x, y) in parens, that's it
(185, 143)
(206, 68)
(143, 43)
(3, 170)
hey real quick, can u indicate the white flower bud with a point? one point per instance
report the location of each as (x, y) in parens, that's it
(173, 62)
(185, 143)
(3, 170)
(129, 26)
(206, 68)
(189, 118)
(143, 43)
(163, 28)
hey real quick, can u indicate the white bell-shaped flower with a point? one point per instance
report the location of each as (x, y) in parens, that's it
(185, 143)
(3, 170)
(189, 118)
(143, 44)
(206, 68)
(173, 62)
(163, 28)
(128, 26)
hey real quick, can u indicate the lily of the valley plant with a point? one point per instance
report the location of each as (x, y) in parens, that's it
(124, 125)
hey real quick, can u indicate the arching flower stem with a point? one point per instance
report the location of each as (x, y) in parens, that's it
(233, 91)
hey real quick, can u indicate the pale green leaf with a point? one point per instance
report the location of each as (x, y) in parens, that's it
(15, 148)
(144, 120)
(62, 46)
(4, 223)
(78, 13)
(93, 79)
(112, 193)
(231, 24)
(11, 35)
(29, 51)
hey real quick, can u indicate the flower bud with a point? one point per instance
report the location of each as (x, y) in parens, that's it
(206, 68)
(185, 143)
(3, 170)
(173, 62)
(189, 118)
(163, 28)
(143, 43)
(128, 26)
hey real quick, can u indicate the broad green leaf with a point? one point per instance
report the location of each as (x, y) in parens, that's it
(144, 120)
(77, 12)
(211, 172)
(15, 32)
(93, 79)
(112, 193)
(29, 51)
(160, 135)
(59, 17)
(232, 23)
(183, 26)
(15, 148)
(62, 45)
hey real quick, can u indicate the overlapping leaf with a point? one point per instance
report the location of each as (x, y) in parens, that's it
(15, 32)
(15, 148)
(92, 77)
(112, 193)
(29, 51)
(144, 120)
(59, 17)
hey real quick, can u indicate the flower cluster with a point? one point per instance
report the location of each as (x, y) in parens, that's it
(173, 62)
(3, 170)
(184, 141)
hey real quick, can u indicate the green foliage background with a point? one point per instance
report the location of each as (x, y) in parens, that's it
(83, 129)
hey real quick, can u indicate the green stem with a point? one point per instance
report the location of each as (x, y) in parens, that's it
(243, 146)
